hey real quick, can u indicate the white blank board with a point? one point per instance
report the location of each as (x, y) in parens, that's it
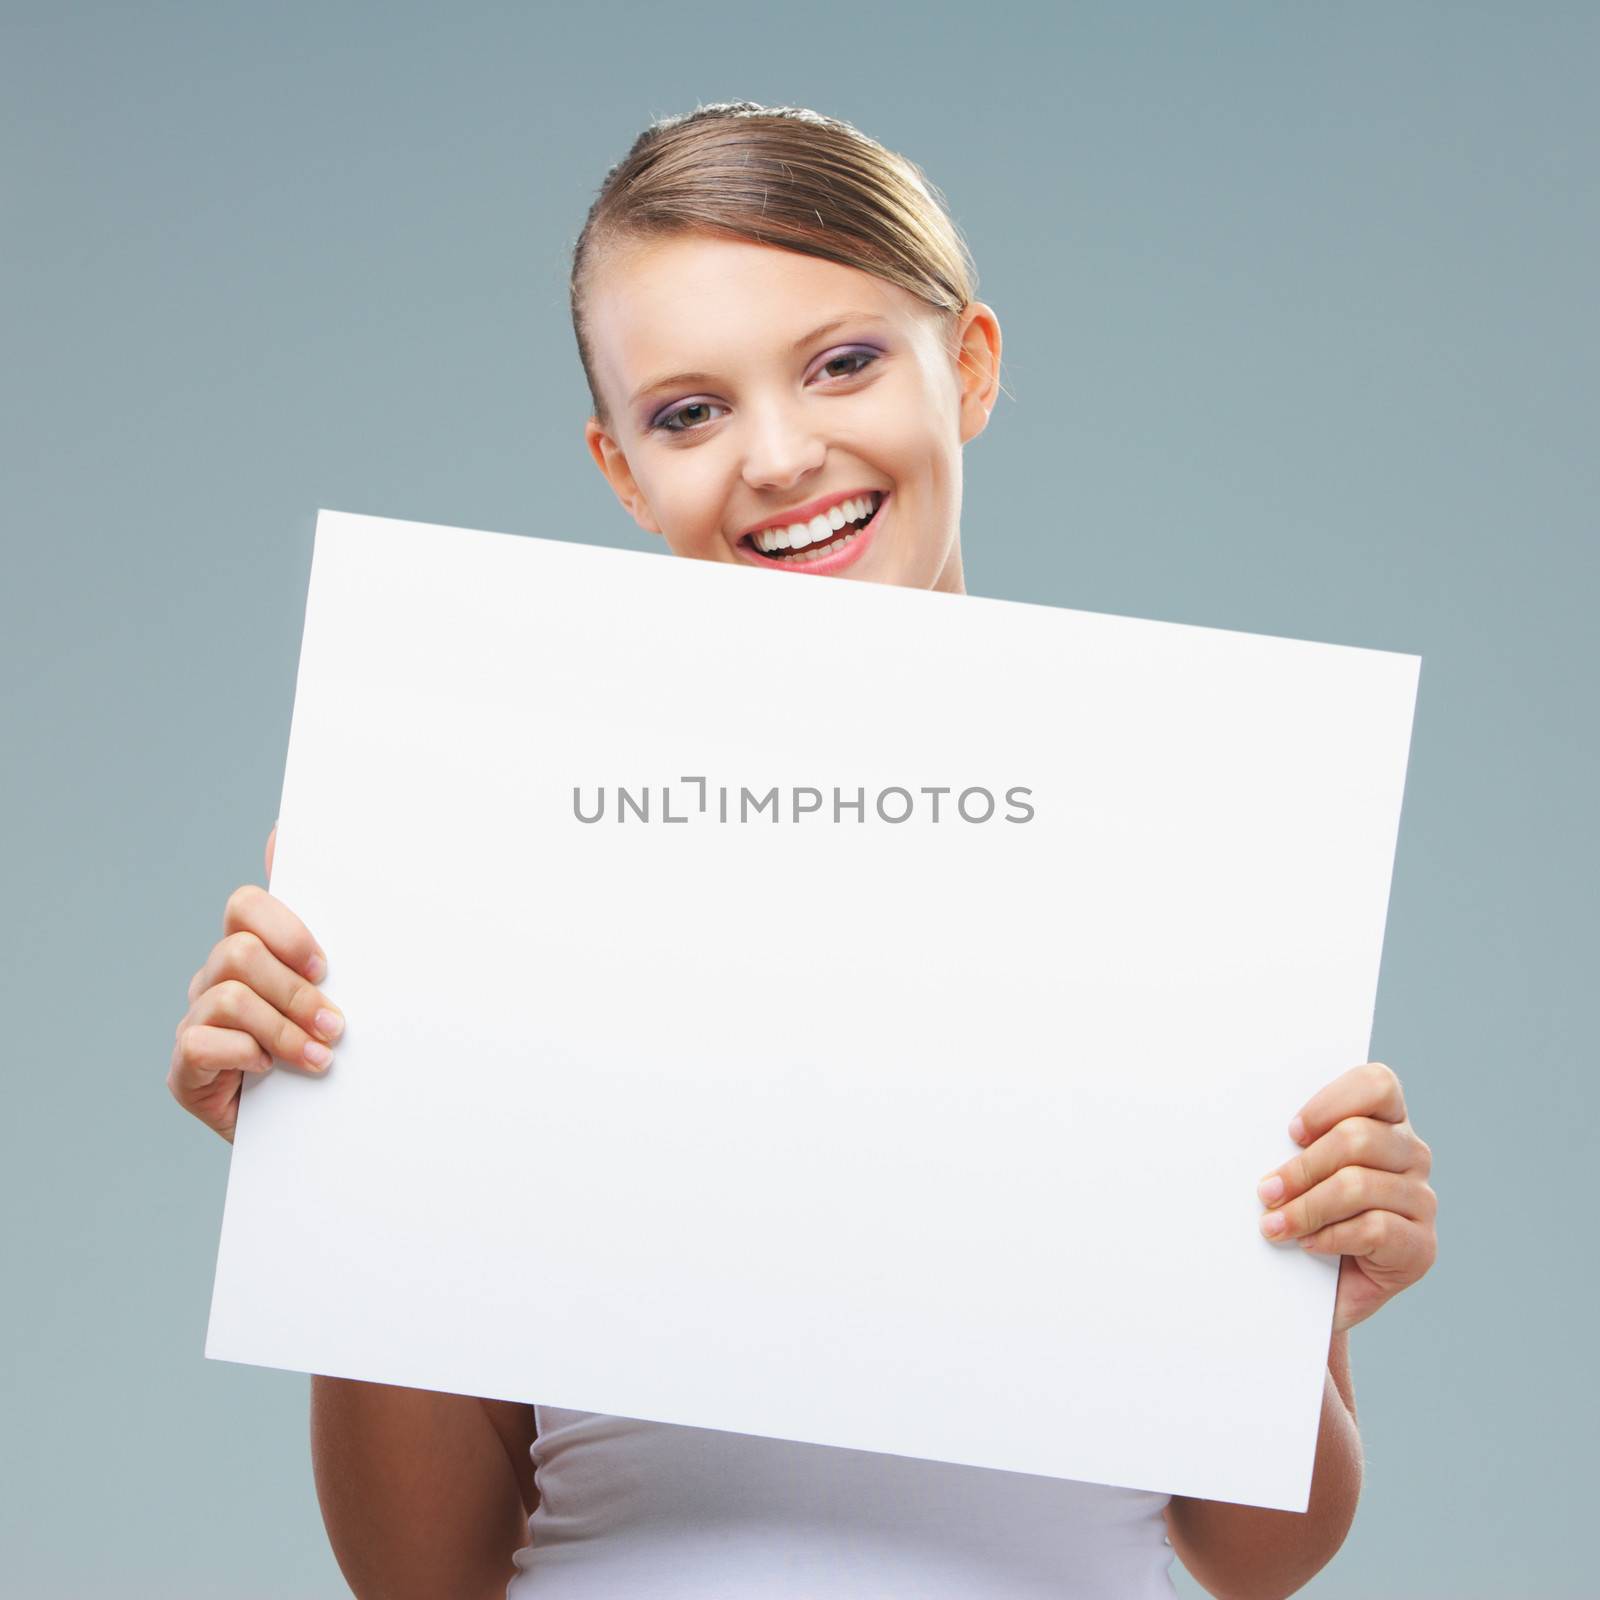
(930, 1137)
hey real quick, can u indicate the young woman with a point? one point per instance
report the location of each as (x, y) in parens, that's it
(785, 355)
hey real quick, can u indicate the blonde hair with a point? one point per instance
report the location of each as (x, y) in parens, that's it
(775, 175)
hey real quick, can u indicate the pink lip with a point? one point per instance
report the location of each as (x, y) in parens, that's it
(837, 562)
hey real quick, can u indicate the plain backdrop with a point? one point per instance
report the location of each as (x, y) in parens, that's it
(1300, 338)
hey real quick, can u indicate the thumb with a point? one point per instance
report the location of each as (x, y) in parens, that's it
(272, 841)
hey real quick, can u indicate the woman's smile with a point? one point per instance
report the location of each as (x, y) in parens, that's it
(824, 543)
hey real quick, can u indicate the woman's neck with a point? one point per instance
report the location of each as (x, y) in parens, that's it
(952, 580)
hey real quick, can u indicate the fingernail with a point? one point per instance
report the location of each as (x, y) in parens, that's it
(1273, 1223)
(1270, 1189)
(329, 1024)
(317, 967)
(319, 1055)
(1297, 1130)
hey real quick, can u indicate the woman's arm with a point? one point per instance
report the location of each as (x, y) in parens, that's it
(1252, 1553)
(425, 1496)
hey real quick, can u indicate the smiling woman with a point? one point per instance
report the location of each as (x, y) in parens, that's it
(776, 318)
(778, 324)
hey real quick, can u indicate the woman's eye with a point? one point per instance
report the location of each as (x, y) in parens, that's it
(667, 419)
(865, 357)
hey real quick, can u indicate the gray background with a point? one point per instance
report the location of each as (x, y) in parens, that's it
(1300, 339)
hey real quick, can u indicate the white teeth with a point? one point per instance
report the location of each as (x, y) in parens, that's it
(816, 552)
(799, 535)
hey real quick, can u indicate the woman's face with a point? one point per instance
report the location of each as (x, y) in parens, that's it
(751, 386)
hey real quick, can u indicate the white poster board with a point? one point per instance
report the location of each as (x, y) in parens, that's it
(936, 1137)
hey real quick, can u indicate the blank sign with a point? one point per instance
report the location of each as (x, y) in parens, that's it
(813, 1009)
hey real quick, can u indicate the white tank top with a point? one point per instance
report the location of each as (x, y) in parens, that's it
(629, 1509)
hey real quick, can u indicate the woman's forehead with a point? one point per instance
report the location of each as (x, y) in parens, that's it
(691, 264)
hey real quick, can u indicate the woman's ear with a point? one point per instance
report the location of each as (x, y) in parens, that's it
(977, 357)
(613, 465)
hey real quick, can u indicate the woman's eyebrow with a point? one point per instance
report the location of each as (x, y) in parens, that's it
(836, 322)
(800, 343)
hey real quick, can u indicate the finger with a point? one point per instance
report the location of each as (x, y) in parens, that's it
(284, 934)
(1392, 1243)
(244, 956)
(1355, 1142)
(204, 1052)
(1349, 1192)
(233, 1004)
(1370, 1090)
(272, 841)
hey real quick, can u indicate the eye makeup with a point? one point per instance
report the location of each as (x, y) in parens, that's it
(662, 420)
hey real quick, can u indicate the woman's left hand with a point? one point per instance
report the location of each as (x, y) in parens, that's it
(1359, 1189)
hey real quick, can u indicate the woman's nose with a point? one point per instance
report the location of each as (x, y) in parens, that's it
(781, 450)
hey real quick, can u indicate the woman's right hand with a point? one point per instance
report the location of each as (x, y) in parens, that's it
(254, 1001)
